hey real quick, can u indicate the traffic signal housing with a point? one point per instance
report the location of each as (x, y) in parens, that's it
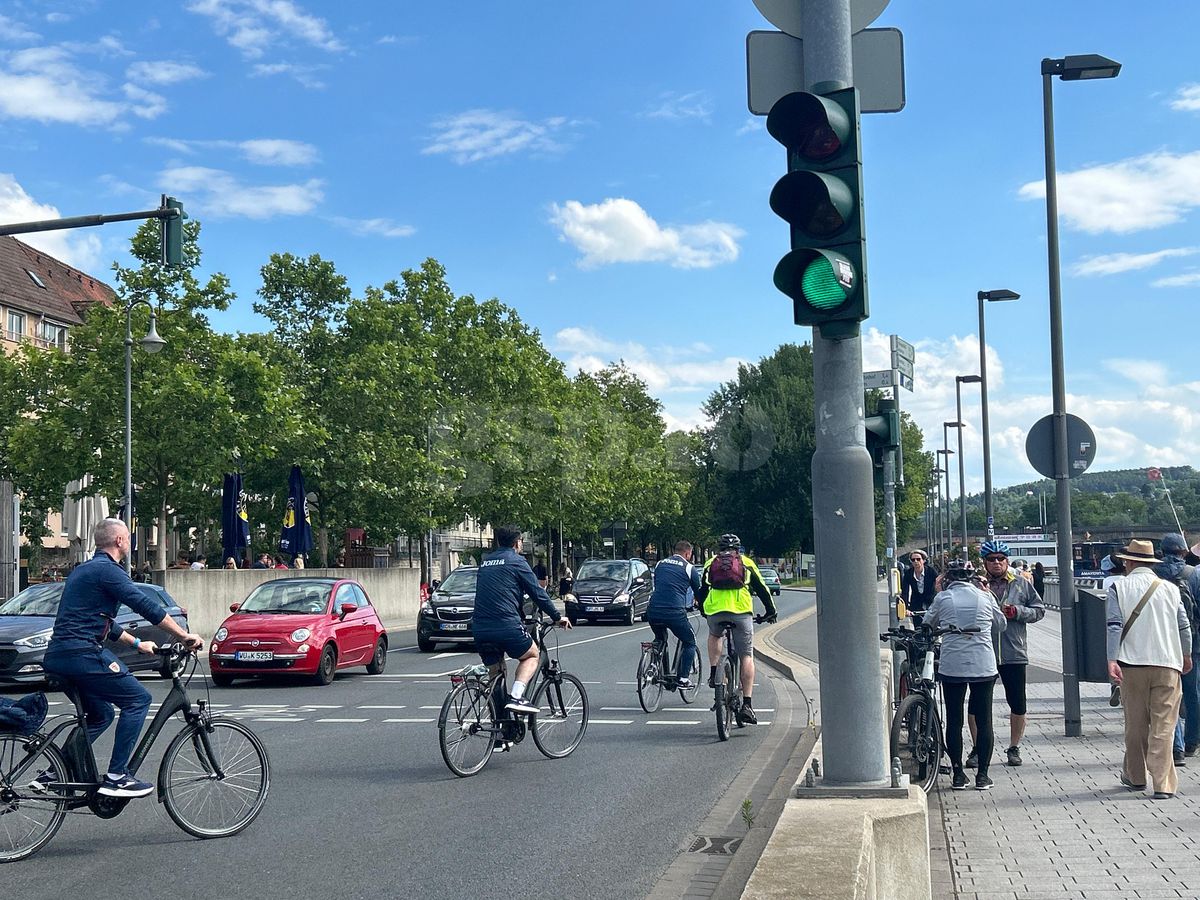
(825, 272)
(172, 232)
(883, 430)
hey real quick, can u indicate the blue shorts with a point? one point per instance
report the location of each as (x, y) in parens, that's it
(495, 643)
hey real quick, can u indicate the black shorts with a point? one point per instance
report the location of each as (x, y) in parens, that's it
(1013, 677)
(495, 643)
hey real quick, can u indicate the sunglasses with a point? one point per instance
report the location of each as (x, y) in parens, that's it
(995, 559)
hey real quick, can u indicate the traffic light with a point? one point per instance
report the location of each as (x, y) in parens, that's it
(825, 273)
(172, 233)
(883, 430)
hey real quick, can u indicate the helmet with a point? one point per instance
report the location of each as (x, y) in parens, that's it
(987, 548)
(729, 542)
(958, 570)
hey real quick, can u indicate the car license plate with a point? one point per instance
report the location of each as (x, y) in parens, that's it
(595, 609)
(254, 656)
(454, 626)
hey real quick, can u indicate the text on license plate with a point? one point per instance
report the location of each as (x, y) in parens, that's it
(595, 609)
(254, 655)
(454, 626)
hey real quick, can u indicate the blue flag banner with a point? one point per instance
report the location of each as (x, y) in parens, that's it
(235, 524)
(297, 538)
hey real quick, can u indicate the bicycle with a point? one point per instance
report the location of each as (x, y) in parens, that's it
(213, 779)
(916, 737)
(728, 698)
(473, 721)
(657, 671)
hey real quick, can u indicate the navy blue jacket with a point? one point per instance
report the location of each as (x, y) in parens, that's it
(673, 578)
(503, 582)
(90, 599)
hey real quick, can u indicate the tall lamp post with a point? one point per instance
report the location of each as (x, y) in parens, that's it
(936, 511)
(950, 512)
(959, 381)
(945, 514)
(151, 343)
(987, 296)
(1071, 68)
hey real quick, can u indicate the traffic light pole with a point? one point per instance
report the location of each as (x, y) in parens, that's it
(170, 214)
(852, 716)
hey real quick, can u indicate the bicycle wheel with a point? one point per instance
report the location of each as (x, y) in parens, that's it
(29, 817)
(688, 695)
(649, 688)
(202, 802)
(916, 740)
(465, 730)
(562, 715)
(724, 704)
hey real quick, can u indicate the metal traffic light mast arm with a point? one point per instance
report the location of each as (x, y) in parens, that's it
(170, 211)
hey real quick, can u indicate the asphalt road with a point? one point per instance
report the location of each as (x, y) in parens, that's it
(361, 804)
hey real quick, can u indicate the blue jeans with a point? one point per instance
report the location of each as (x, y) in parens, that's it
(1187, 730)
(100, 686)
(677, 621)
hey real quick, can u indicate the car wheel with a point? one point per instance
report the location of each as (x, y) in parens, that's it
(631, 616)
(222, 680)
(327, 667)
(424, 644)
(379, 661)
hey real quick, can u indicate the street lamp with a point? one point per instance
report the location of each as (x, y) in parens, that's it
(151, 343)
(987, 296)
(1070, 68)
(945, 513)
(949, 517)
(959, 381)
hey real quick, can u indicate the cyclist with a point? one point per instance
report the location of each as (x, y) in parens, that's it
(728, 580)
(91, 597)
(676, 581)
(503, 582)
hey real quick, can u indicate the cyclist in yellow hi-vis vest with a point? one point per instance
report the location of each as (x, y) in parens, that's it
(730, 578)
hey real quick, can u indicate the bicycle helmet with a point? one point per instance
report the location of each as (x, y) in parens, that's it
(729, 542)
(988, 548)
(958, 570)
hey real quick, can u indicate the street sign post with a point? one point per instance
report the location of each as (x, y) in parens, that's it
(787, 15)
(903, 349)
(879, 379)
(1081, 446)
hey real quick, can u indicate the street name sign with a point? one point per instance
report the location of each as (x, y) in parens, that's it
(903, 348)
(882, 378)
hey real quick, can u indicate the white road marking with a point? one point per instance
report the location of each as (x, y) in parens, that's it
(605, 637)
(398, 649)
(439, 706)
(626, 682)
(342, 721)
(593, 682)
(407, 721)
(610, 721)
(277, 719)
(449, 654)
(318, 706)
(416, 675)
(672, 722)
(383, 707)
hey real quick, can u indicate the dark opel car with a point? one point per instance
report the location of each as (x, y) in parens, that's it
(610, 589)
(446, 616)
(27, 622)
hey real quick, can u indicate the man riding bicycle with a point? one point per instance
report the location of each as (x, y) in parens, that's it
(90, 600)
(504, 580)
(676, 581)
(729, 579)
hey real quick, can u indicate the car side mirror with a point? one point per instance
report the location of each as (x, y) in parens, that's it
(234, 607)
(347, 608)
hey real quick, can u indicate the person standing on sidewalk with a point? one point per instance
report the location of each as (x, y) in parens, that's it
(1174, 568)
(1021, 606)
(968, 661)
(1114, 570)
(1149, 647)
(916, 586)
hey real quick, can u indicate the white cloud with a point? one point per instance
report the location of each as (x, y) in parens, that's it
(1187, 279)
(752, 125)
(1131, 195)
(57, 18)
(480, 134)
(618, 230)
(43, 84)
(1115, 263)
(11, 30)
(1139, 371)
(1187, 98)
(163, 72)
(303, 75)
(79, 247)
(255, 26)
(221, 193)
(374, 227)
(143, 103)
(279, 152)
(677, 107)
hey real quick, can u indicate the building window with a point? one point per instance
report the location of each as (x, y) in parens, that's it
(51, 335)
(34, 278)
(16, 326)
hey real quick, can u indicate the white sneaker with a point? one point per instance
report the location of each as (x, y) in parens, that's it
(520, 706)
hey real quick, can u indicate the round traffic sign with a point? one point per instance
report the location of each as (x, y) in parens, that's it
(1081, 446)
(785, 14)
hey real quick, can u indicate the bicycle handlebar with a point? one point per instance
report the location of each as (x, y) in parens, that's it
(926, 632)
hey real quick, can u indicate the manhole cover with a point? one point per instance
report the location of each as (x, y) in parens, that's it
(720, 846)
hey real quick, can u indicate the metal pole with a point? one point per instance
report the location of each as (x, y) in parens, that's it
(852, 717)
(129, 428)
(949, 503)
(962, 490)
(1062, 486)
(988, 512)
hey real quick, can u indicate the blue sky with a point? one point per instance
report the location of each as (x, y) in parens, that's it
(595, 167)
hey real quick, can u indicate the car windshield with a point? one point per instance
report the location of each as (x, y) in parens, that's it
(603, 570)
(288, 597)
(36, 600)
(460, 581)
(768, 572)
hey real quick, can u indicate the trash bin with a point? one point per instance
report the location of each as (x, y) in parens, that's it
(1092, 636)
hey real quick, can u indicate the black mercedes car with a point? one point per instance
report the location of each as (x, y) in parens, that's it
(446, 616)
(27, 623)
(610, 589)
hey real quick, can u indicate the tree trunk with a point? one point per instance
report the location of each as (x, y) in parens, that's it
(161, 556)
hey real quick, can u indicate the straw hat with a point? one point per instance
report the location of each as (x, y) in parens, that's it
(1138, 551)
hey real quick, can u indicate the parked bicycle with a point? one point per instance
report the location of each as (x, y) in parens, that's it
(658, 671)
(473, 722)
(213, 779)
(728, 699)
(917, 739)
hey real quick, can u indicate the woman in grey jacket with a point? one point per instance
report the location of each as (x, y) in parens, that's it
(968, 661)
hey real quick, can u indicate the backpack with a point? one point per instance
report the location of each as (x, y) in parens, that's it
(727, 572)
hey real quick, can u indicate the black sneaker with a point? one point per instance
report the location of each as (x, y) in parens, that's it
(959, 780)
(1129, 784)
(683, 683)
(973, 760)
(983, 783)
(500, 746)
(520, 706)
(125, 786)
(1180, 761)
(746, 716)
(1190, 749)
(1014, 756)
(1114, 696)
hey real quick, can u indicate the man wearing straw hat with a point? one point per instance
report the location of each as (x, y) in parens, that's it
(1149, 647)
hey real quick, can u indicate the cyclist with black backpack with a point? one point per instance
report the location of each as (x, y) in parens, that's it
(729, 580)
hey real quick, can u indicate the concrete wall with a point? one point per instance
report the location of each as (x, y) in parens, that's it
(206, 594)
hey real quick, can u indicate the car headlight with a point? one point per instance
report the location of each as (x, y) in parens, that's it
(221, 634)
(39, 640)
(621, 599)
(300, 634)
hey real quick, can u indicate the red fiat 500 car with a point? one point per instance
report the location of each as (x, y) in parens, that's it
(302, 626)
